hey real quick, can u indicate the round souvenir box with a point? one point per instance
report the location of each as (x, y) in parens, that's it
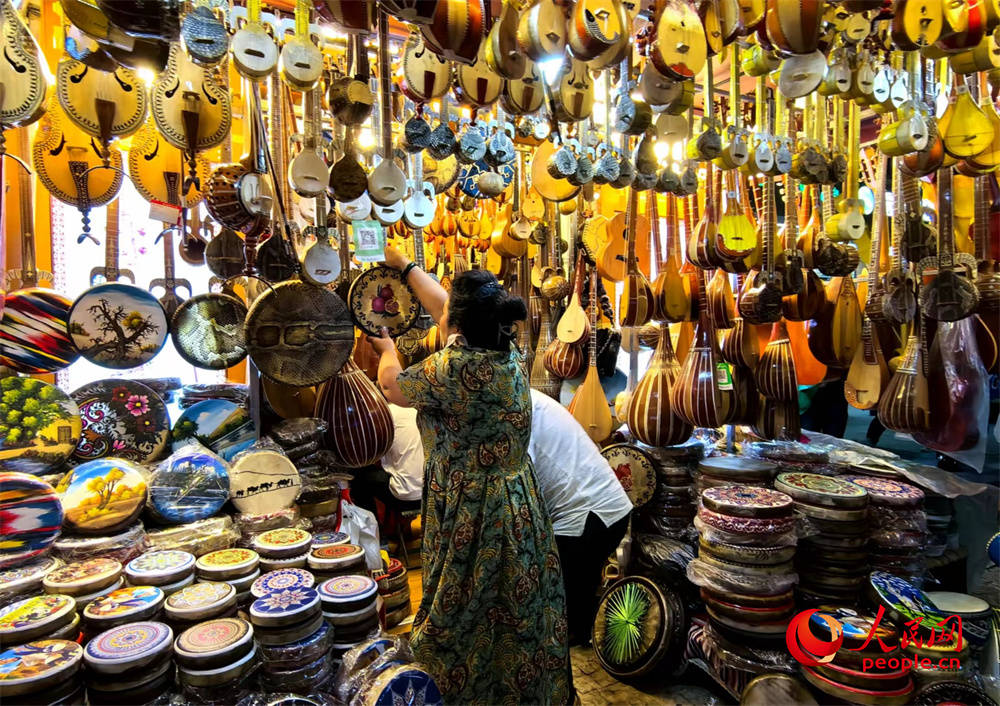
(286, 606)
(831, 514)
(200, 601)
(160, 568)
(396, 616)
(83, 577)
(396, 598)
(885, 491)
(357, 632)
(25, 579)
(282, 543)
(218, 676)
(69, 631)
(128, 647)
(83, 601)
(227, 564)
(743, 554)
(762, 571)
(304, 678)
(189, 486)
(737, 469)
(746, 525)
(243, 583)
(172, 588)
(34, 617)
(746, 501)
(393, 578)
(835, 528)
(288, 655)
(280, 580)
(633, 604)
(102, 496)
(126, 605)
(748, 613)
(397, 683)
(329, 539)
(748, 624)
(137, 686)
(214, 644)
(814, 489)
(33, 517)
(861, 679)
(294, 562)
(854, 626)
(952, 692)
(289, 633)
(903, 601)
(37, 666)
(347, 621)
(338, 559)
(346, 594)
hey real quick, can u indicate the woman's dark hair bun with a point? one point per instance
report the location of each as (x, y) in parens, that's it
(511, 309)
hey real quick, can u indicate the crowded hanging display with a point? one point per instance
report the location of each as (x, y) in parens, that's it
(381, 352)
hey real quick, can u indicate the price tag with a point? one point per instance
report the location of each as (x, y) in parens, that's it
(164, 212)
(723, 376)
(369, 241)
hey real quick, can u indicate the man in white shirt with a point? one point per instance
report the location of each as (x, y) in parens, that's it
(588, 507)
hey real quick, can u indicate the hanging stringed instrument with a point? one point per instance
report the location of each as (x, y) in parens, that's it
(761, 302)
(905, 404)
(650, 416)
(809, 300)
(360, 429)
(157, 170)
(574, 324)
(542, 378)
(635, 305)
(869, 374)
(25, 83)
(387, 182)
(590, 404)
(951, 295)
(988, 279)
(300, 63)
(775, 373)
(254, 53)
(67, 162)
(671, 290)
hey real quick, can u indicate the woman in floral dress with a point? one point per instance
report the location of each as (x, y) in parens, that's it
(491, 625)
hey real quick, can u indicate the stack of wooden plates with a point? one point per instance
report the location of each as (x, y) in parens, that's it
(717, 471)
(128, 604)
(44, 617)
(85, 580)
(898, 525)
(284, 548)
(674, 502)
(216, 653)
(394, 588)
(337, 560)
(350, 606)
(638, 625)
(43, 671)
(199, 602)
(169, 569)
(746, 550)
(833, 521)
(862, 671)
(237, 567)
(129, 664)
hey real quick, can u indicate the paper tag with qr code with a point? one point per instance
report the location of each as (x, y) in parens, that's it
(369, 241)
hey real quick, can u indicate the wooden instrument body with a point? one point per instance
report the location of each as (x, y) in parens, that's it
(835, 334)
(253, 51)
(564, 360)
(542, 376)
(703, 394)
(681, 49)
(905, 404)
(426, 75)
(188, 95)
(361, 429)
(574, 93)
(25, 84)
(596, 27)
(649, 414)
(590, 403)
(574, 324)
(476, 84)
(541, 30)
(157, 170)
(103, 104)
(775, 373)
(524, 95)
(457, 30)
(502, 54)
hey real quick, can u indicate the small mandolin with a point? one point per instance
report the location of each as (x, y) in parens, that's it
(636, 303)
(590, 404)
(254, 53)
(671, 290)
(574, 324)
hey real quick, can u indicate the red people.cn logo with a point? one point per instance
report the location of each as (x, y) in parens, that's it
(808, 649)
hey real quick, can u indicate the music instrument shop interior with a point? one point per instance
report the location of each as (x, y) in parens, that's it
(758, 243)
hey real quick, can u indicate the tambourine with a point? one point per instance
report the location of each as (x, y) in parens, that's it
(380, 298)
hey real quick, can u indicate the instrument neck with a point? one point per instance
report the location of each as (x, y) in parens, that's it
(385, 87)
(26, 184)
(111, 242)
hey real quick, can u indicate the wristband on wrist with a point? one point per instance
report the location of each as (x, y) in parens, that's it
(407, 269)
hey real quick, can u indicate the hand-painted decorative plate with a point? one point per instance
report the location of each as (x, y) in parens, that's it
(28, 577)
(226, 563)
(35, 616)
(131, 602)
(262, 482)
(223, 426)
(189, 486)
(329, 539)
(205, 598)
(815, 489)
(31, 517)
(159, 568)
(39, 425)
(118, 325)
(632, 627)
(282, 542)
(83, 577)
(884, 491)
(37, 665)
(468, 176)
(404, 683)
(33, 337)
(747, 501)
(299, 334)
(280, 580)
(102, 496)
(379, 297)
(121, 418)
(635, 471)
(283, 607)
(745, 525)
(128, 646)
(207, 331)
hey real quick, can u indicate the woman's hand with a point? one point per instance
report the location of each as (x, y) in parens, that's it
(395, 258)
(382, 344)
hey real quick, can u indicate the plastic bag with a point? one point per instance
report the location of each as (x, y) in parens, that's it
(124, 546)
(295, 432)
(361, 525)
(660, 558)
(783, 539)
(716, 579)
(199, 537)
(189, 485)
(357, 659)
